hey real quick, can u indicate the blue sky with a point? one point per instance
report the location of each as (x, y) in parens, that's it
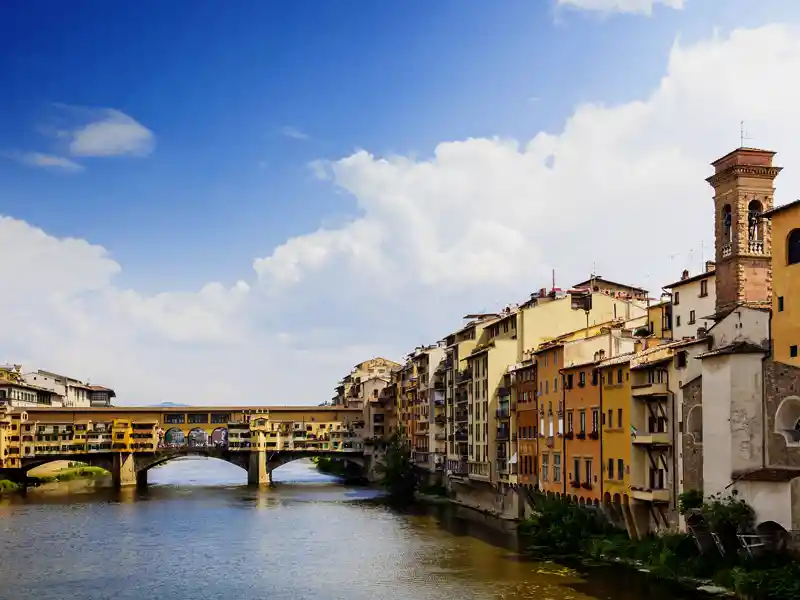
(218, 86)
(239, 98)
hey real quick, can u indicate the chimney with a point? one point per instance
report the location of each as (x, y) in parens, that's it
(710, 266)
(685, 274)
(701, 332)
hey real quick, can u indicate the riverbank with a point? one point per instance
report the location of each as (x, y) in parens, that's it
(52, 473)
(564, 531)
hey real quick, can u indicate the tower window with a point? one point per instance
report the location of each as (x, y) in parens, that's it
(727, 224)
(753, 221)
(793, 247)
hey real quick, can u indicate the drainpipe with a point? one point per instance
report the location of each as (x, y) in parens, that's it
(563, 437)
(601, 470)
(764, 394)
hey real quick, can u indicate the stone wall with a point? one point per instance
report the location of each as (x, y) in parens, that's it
(781, 381)
(691, 443)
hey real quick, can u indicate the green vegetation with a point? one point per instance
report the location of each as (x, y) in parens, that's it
(399, 474)
(7, 486)
(330, 466)
(560, 529)
(70, 474)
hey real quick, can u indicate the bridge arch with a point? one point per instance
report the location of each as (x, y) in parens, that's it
(279, 459)
(174, 437)
(197, 438)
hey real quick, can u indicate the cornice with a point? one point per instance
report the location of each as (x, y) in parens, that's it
(743, 171)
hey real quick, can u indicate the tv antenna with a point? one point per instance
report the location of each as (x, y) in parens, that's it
(742, 134)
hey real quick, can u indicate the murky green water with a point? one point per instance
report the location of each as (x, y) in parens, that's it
(199, 532)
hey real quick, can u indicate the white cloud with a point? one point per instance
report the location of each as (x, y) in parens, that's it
(48, 161)
(623, 6)
(294, 133)
(110, 133)
(479, 223)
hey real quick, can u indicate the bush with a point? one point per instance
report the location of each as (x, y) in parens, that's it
(399, 475)
(690, 500)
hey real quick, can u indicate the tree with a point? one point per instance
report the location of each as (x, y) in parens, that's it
(399, 474)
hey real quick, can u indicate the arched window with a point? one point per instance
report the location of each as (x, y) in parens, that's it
(754, 210)
(793, 247)
(727, 224)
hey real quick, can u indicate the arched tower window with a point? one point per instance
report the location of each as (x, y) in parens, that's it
(793, 247)
(727, 224)
(754, 210)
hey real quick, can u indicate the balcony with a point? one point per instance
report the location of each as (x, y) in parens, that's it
(755, 247)
(461, 436)
(653, 438)
(457, 467)
(464, 376)
(440, 437)
(479, 470)
(502, 435)
(503, 391)
(462, 416)
(504, 412)
(644, 390)
(650, 495)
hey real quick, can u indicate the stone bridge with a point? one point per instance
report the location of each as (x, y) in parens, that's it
(128, 469)
(130, 441)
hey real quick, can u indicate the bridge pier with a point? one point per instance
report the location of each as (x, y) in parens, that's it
(123, 470)
(257, 473)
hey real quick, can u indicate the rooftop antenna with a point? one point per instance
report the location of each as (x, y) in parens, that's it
(554, 280)
(742, 134)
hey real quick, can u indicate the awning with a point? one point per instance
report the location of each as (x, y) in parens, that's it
(513, 459)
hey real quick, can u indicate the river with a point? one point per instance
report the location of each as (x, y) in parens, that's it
(198, 532)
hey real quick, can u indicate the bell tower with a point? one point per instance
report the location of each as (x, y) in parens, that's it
(743, 183)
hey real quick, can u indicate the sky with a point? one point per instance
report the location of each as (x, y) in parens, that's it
(234, 203)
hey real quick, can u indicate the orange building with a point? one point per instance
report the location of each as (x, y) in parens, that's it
(525, 386)
(549, 358)
(582, 444)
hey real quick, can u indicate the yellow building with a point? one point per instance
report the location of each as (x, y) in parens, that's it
(617, 432)
(659, 320)
(458, 347)
(786, 282)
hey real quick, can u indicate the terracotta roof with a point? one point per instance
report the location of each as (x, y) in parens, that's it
(617, 360)
(767, 214)
(780, 474)
(599, 278)
(740, 347)
(692, 279)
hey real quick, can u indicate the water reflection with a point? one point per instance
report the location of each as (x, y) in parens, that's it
(309, 537)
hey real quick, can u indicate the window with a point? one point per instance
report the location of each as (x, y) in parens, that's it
(594, 377)
(610, 418)
(780, 303)
(576, 469)
(582, 379)
(556, 467)
(677, 298)
(793, 351)
(620, 469)
(582, 421)
(569, 422)
(569, 381)
(704, 288)
(691, 317)
(793, 247)
(547, 386)
(595, 419)
(555, 384)
(588, 471)
(677, 320)
(680, 359)
(619, 375)
(610, 468)
(619, 418)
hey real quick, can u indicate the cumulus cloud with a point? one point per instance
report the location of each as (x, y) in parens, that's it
(47, 161)
(478, 223)
(110, 132)
(622, 6)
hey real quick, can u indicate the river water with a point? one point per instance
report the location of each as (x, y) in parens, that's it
(198, 532)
